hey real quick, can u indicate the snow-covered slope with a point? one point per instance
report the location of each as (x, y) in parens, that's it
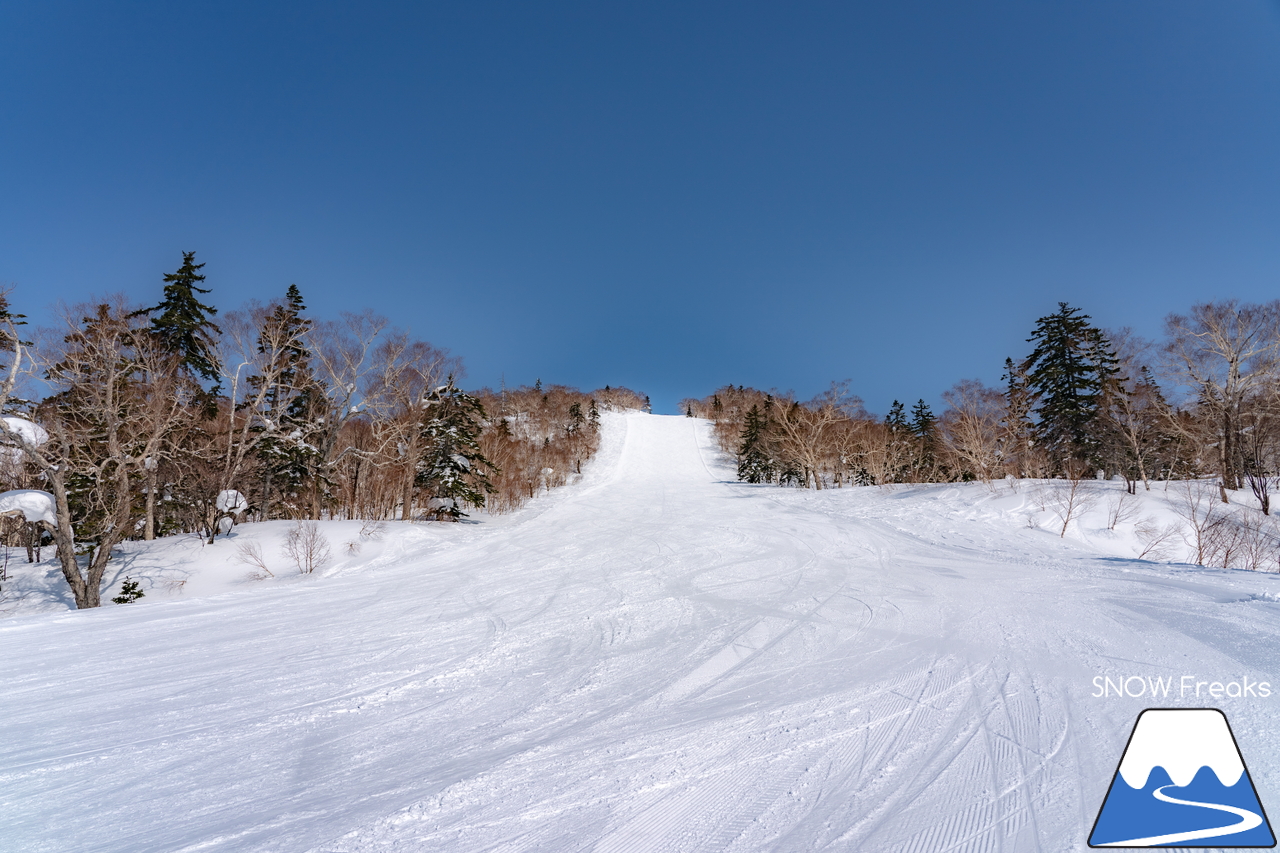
(656, 659)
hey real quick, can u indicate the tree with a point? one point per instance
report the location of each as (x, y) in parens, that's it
(896, 420)
(901, 447)
(259, 353)
(805, 434)
(343, 356)
(1017, 448)
(754, 462)
(1135, 416)
(454, 469)
(971, 429)
(182, 328)
(291, 401)
(1223, 352)
(406, 372)
(102, 421)
(924, 427)
(1066, 371)
(576, 418)
(181, 322)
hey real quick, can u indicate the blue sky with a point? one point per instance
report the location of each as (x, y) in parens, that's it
(669, 196)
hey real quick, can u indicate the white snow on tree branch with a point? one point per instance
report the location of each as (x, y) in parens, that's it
(31, 504)
(32, 432)
(229, 500)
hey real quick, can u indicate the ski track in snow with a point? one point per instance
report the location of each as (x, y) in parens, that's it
(657, 659)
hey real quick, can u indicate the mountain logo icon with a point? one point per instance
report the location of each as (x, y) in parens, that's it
(1182, 783)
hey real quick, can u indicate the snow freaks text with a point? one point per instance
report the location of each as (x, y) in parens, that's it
(1183, 687)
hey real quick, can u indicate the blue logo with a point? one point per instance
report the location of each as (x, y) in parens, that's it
(1182, 783)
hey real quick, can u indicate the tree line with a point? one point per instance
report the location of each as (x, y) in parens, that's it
(1084, 402)
(149, 421)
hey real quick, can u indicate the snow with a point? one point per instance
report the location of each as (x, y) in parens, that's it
(229, 500)
(31, 504)
(656, 658)
(32, 432)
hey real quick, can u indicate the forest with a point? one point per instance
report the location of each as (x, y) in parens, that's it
(1200, 407)
(136, 422)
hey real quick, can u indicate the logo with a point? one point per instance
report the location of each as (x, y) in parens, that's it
(1181, 783)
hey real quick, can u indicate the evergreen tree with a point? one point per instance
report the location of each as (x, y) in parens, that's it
(1016, 439)
(1066, 372)
(902, 440)
(182, 324)
(754, 462)
(923, 422)
(896, 420)
(293, 400)
(130, 592)
(593, 415)
(9, 336)
(576, 418)
(924, 426)
(688, 411)
(454, 469)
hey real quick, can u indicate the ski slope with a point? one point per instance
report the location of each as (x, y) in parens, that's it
(656, 659)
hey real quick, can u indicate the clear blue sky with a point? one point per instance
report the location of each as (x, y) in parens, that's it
(669, 196)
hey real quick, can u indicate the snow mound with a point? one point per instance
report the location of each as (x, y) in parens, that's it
(32, 432)
(229, 500)
(31, 504)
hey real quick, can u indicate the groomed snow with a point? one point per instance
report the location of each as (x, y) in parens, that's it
(654, 659)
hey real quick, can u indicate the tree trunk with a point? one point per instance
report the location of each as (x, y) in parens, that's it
(406, 506)
(264, 511)
(1229, 480)
(149, 531)
(65, 540)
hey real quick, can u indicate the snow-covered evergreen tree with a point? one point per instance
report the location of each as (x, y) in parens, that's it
(576, 419)
(453, 469)
(755, 465)
(291, 403)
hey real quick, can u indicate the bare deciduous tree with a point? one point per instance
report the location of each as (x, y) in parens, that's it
(1223, 352)
(971, 428)
(307, 547)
